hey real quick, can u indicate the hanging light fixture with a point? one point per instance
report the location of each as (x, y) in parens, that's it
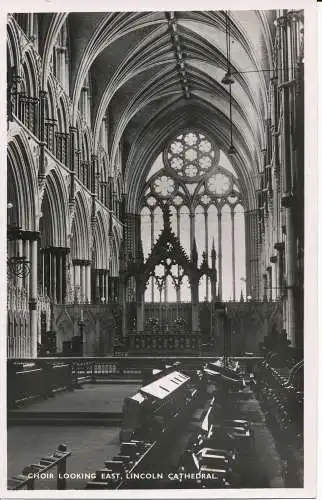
(228, 79)
(231, 150)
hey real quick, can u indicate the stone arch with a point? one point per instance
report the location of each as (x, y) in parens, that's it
(30, 73)
(114, 259)
(53, 224)
(63, 114)
(51, 104)
(100, 243)
(81, 232)
(22, 184)
(13, 47)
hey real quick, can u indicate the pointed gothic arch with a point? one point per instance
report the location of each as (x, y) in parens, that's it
(54, 211)
(81, 231)
(22, 182)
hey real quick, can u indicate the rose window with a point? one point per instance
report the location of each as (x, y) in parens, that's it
(177, 200)
(205, 199)
(205, 162)
(176, 147)
(191, 171)
(151, 201)
(191, 155)
(219, 184)
(233, 198)
(177, 163)
(190, 139)
(205, 146)
(164, 186)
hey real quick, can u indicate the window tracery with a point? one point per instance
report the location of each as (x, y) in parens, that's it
(190, 178)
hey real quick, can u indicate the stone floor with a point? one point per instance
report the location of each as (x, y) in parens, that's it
(90, 446)
(94, 397)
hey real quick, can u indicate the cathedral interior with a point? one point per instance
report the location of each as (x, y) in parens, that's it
(155, 249)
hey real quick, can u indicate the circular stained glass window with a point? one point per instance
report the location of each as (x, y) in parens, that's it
(177, 200)
(164, 186)
(151, 201)
(205, 199)
(191, 155)
(219, 184)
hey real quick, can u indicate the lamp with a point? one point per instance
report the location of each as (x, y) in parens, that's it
(228, 79)
(19, 266)
(231, 150)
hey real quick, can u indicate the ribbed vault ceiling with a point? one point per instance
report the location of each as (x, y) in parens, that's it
(132, 61)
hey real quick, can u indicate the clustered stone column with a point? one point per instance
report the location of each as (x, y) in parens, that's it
(82, 280)
(53, 272)
(252, 271)
(101, 286)
(25, 244)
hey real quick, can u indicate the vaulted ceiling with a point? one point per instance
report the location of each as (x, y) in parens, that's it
(153, 73)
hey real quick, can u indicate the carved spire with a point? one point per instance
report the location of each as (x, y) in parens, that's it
(241, 296)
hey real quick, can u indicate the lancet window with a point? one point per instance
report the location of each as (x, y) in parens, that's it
(198, 183)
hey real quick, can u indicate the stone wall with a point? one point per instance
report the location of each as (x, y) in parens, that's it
(100, 326)
(250, 322)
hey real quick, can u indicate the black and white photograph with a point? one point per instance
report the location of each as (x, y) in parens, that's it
(156, 248)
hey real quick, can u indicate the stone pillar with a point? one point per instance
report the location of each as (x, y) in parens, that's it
(88, 283)
(27, 255)
(61, 294)
(233, 263)
(84, 290)
(53, 275)
(290, 261)
(219, 255)
(42, 143)
(251, 235)
(139, 306)
(76, 279)
(269, 283)
(122, 301)
(106, 286)
(273, 261)
(194, 284)
(72, 162)
(33, 299)
(20, 253)
(192, 229)
(97, 285)
(152, 244)
(287, 184)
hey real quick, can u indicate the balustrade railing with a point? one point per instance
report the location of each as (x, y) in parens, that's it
(27, 111)
(50, 125)
(62, 147)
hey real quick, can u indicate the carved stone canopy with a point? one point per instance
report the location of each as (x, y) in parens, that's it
(169, 252)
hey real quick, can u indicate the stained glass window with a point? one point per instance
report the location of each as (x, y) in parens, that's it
(196, 179)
